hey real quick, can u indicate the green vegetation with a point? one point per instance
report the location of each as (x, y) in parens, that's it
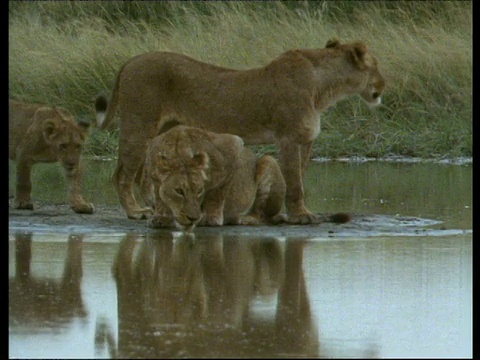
(66, 52)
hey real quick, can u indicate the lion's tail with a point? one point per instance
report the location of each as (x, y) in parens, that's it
(101, 105)
(104, 109)
(339, 218)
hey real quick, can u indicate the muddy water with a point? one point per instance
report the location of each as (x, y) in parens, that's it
(219, 294)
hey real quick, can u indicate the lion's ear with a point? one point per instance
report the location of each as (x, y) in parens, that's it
(201, 161)
(43, 113)
(84, 124)
(358, 51)
(50, 130)
(168, 125)
(45, 119)
(332, 43)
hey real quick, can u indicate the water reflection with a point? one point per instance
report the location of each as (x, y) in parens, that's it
(223, 296)
(230, 296)
(432, 191)
(194, 297)
(36, 302)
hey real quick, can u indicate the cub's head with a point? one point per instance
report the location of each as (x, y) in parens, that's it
(367, 82)
(62, 134)
(181, 184)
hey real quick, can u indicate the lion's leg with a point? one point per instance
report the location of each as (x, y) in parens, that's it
(72, 272)
(292, 168)
(146, 187)
(293, 309)
(123, 180)
(270, 195)
(23, 256)
(213, 205)
(306, 151)
(24, 186)
(137, 126)
(162, 216)
(78, 204)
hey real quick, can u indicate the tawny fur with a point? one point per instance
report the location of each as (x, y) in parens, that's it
(279, 103)
(43, 134)
(201, 177)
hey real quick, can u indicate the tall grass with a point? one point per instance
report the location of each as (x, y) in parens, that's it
(65, 53)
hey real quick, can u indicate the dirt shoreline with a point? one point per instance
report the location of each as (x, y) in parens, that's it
(47, 218)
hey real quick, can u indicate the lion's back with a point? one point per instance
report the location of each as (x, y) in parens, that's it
(183, 140)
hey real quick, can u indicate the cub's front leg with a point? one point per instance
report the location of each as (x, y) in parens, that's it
(163, 216)
(77, 203)
(213, 205)
(24, 186)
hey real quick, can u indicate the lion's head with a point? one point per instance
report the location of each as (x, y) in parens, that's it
(190, 169)
(371, 83)
(181, 184)
(63, 135)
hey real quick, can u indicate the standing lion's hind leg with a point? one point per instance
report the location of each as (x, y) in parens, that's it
(123, 180)
(144, 183)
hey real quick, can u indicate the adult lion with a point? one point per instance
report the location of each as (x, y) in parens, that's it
(201, 177)
(42, 134)
(278, 103)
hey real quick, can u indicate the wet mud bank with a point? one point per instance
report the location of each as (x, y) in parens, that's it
(111, 219)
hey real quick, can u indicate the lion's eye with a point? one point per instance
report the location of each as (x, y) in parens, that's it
(180, 192)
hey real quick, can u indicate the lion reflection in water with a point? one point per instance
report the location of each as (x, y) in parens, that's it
(193, 297)
(34, 300)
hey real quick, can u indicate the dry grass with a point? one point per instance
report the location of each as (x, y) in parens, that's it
(67, 52)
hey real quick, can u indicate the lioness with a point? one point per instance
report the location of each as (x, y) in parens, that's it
(42, 134)
(201, 177)
(277, 103)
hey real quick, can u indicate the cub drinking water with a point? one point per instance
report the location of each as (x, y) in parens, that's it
(204, 178)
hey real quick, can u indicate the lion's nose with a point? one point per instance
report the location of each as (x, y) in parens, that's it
(192, 219)
(69, 165)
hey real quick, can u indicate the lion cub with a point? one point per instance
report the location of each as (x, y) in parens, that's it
(42, 134)
(204, 178)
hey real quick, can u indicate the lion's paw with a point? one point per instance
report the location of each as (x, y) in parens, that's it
(23, 205)
(160, 221)
(302, 219)
(85, 208)
(140, 213)
(278, 219)
(249, 220)
(212, 221)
